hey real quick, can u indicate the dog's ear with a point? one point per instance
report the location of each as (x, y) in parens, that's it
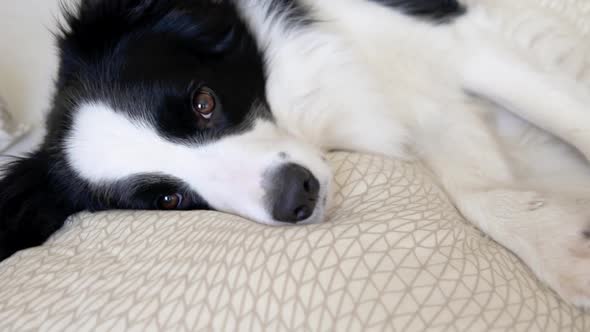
(137, 7)
(96, 23)
(32, 206)
(124, 7)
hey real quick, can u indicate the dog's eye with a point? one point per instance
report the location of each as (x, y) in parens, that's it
(204, 103)
(169, 202)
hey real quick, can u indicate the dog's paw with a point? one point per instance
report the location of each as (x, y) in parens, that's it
(550, 233)
(564, 253)
(568, 268)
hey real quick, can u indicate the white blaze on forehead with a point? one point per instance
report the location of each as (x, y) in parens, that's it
(105, 146)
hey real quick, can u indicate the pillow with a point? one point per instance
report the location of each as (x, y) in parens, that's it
(10, 132)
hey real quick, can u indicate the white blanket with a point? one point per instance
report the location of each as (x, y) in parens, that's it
(10, 132)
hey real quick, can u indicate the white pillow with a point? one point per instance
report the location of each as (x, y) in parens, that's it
(10, 132)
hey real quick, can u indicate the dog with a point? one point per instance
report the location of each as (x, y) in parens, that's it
(230, 105)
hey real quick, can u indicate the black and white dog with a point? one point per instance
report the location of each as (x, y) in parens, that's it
(229, 105)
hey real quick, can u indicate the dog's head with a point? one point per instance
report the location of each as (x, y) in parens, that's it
(161, 105)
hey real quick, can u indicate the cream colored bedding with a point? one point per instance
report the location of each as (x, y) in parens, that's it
(395, 255)
(10, 132)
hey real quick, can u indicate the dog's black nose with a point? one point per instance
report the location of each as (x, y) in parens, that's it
(295, 192)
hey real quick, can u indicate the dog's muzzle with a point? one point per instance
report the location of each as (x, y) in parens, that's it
(293, 194)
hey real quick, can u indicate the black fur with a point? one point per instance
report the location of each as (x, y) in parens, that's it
(157, 55)
(32, 204)
(433, 10)
(144, 58)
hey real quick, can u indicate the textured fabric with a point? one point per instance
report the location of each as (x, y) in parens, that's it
(574, 11)
(395, 255)
(9, 131)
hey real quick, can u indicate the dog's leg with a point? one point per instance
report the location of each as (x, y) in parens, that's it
(550, 101)
(549, 233)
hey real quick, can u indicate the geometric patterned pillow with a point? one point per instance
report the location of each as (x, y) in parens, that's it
(394, 255)
(10, 132)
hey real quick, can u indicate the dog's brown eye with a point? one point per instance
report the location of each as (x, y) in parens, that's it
(204, 103)
(169, 202)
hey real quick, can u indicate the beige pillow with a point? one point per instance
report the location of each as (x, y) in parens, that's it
(10, 131)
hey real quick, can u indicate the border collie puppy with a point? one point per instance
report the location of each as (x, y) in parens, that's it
(229, 105)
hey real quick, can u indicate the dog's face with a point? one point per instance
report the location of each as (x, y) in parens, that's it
(161, 105)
